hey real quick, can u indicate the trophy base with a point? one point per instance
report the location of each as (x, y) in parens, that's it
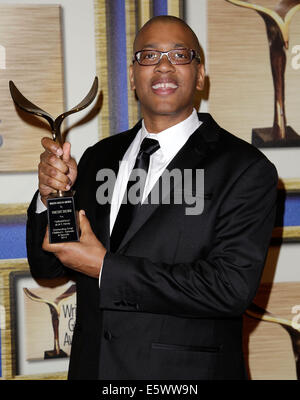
(262, 137)
(62, 221)
(52, 354)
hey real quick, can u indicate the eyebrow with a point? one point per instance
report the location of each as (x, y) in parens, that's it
(155, 45)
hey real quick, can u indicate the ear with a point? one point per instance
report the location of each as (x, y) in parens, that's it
(131, 77)
(200, 76)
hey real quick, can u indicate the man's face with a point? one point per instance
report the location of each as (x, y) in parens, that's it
(165, 88)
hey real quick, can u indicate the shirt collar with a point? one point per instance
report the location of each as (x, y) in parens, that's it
(173, 138)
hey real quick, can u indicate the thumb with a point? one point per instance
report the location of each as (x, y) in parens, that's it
(85, 226)
(66, 152)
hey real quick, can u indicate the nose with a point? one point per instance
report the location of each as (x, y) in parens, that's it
(164, 64)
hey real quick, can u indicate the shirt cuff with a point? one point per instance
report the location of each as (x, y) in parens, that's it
(40, 206)
(101, 271)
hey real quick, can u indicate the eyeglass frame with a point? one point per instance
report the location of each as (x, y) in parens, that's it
(195, 55)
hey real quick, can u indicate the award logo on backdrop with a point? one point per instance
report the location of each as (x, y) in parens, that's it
(55, 311)
(277, 23)
(254, 90)
(272, 332)
(259, 313)
(42, 318)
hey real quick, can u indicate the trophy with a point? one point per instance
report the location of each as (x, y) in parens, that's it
(277, 23)
(55, 307)
(62, 221)
(259, 313)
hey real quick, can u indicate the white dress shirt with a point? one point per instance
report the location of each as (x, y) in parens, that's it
(170, 140)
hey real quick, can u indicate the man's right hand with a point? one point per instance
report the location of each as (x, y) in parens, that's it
(56, 173)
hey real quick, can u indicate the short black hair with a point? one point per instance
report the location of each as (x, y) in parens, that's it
(170, 18)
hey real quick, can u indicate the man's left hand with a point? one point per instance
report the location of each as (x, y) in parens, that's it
(85, 256)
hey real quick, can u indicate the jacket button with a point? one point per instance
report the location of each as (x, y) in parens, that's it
(107, 335)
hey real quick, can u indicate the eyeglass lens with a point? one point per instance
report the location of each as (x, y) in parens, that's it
(151, 57)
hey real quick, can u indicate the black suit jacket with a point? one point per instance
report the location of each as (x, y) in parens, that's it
(172, 296)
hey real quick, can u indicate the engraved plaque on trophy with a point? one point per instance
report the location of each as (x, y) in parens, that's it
(277, 23)
(55, 308)
(62, 223)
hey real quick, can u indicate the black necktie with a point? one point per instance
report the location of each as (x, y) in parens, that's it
(128, 210)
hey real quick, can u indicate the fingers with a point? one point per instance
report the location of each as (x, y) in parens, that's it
(51, 177)
(53, 152)
(52, 147)
(48, 160)
(54, 172)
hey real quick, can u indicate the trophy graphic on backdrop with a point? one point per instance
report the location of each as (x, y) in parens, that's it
(257, 312)
(55, 307)
(62, 222)
(277, 23)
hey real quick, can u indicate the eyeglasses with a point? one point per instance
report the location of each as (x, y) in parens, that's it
(175, 56)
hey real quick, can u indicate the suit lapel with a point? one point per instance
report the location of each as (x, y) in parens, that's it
(193, 154)
(119, 146)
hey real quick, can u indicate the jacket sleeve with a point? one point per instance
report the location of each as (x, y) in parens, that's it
(42, 263)
(221, 285)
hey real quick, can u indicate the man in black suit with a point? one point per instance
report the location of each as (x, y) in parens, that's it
(162, 286)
